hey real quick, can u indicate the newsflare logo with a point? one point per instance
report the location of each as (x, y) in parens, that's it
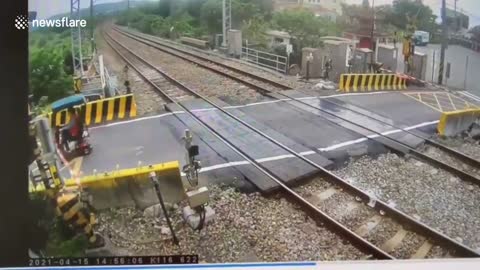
(22, 22)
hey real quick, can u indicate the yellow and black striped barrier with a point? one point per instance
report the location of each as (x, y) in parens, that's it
(100, 111)
(123, 187)
(112, 179)
(371, 82)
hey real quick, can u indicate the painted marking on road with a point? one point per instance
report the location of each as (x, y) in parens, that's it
(307, 153)
(233, 107)
(441, 101)
(469, 95)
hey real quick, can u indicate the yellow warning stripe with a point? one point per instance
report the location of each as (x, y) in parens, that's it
(110, 179)
(364, 82)
(99, 111)
(355, 82)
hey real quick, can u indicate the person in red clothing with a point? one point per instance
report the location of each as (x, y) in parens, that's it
(73, 130)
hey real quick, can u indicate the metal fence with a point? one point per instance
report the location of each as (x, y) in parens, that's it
(268, 60)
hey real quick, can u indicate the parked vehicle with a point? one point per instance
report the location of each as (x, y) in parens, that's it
(422, 38)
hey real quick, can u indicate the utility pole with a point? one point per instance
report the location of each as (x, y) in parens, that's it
(444, 42)
(226, 20)
(456, 18)
(371, 34)
(76, 37)
(92, 27)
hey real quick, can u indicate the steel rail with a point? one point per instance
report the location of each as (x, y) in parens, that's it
(356, 240)
(433, 161)
(248, 74)
(462, 250)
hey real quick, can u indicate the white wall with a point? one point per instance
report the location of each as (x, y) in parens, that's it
(456, 56)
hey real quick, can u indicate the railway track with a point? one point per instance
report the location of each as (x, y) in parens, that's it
(258, 83)
(430, 243)
(169, 91)
(267, 87)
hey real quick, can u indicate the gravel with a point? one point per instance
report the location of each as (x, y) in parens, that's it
(148, 101)
(203, 81)
(467, 145)
(334, 206)
(440, 199)
(292, 81)
(383, 231)
(411, 242)
(441, 155)
(246, 228)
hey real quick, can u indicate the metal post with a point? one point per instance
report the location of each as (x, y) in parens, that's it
(456, 18)
(433, 65)
(371, 34)
(153, 177)
(466, 71)
(226, 20)
(76, 34)
(308, 70)
(92, 27)
(444, 42)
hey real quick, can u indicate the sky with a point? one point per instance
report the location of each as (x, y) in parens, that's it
(47, 8)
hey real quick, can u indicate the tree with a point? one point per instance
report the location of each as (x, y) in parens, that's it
(242, 11)
(422, 15)
(303, 26)
(254, 30)
(47, 74)
(475, 31)
(212, 16)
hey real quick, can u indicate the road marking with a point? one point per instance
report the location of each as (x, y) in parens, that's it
(438, 102)
(421, 101)
(470, 95)
(233, 107)
(451, 102)
(307, 153)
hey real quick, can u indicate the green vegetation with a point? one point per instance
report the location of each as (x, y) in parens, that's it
(50, 64)
(49, 233)
(64, 243)
(203, 19)
(421, 15)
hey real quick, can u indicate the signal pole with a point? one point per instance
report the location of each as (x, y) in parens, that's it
(444, 42)
(92, 27)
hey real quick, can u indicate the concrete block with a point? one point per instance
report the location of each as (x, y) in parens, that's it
(193, 218)
(454, 123)
(316, 64)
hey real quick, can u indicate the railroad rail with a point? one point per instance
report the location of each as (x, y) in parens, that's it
(428, 235)
(259, 83)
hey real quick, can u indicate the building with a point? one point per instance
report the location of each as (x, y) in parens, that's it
(329, 9)
(321, 6)
(362, 26)
(277, 38)
(457, 22)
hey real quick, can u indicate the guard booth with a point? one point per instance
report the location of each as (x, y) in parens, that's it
(335, 49)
